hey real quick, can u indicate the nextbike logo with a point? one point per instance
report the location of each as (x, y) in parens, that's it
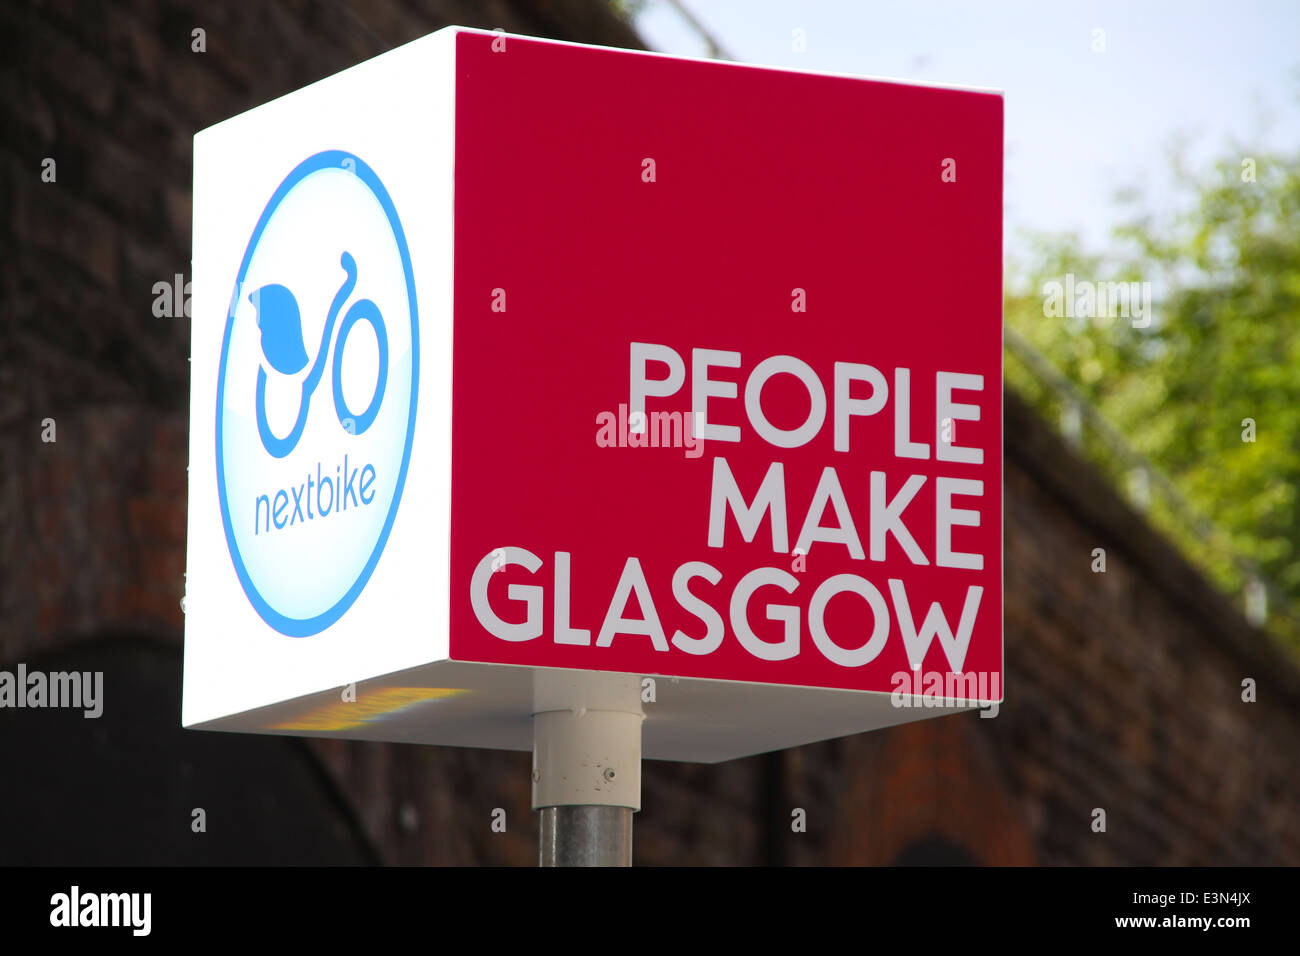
(313, 447)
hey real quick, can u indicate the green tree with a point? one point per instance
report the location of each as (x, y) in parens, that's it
(1222, 347)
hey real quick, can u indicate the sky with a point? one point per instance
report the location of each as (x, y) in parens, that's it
(1204, 79)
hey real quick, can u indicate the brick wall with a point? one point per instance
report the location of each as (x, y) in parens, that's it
(1123, 688)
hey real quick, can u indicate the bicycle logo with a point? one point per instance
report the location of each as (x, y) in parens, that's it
(281, 326)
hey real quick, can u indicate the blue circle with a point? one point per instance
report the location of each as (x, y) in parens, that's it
(328, 159)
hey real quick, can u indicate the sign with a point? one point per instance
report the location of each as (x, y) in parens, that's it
(514, 357)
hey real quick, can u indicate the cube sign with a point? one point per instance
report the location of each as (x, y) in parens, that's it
(513, 358)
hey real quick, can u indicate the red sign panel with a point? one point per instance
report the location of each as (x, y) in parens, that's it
(727, 370)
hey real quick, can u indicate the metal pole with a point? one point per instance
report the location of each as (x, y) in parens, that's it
(585, 836)
(587, 768)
